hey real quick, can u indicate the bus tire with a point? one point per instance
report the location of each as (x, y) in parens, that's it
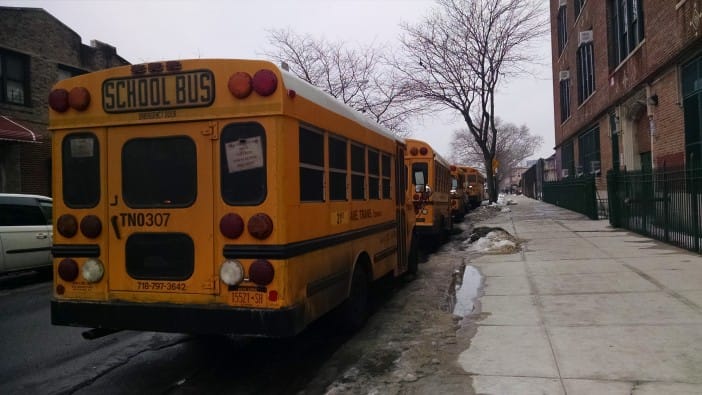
(413, 259)
(354, 311)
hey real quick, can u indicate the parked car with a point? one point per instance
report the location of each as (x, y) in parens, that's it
(26, 234)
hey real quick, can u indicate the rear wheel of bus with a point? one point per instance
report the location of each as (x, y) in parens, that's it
(354, 311)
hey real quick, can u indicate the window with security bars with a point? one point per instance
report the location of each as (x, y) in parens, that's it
(586, 71)
(567, 160)
(14, 78)
(692, 110)
(578, 6)
(589, 151)
(627, 27)
(562, 20)
(564, 96)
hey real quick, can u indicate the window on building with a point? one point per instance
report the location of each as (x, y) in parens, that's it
(578, 6)
(589, 151)
(562, 20)
(564, 95)
(14, 78)
(627, 25)
(692, 108)
(567, 160)
(586, 71)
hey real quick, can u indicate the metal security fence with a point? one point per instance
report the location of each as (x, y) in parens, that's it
(664, 205)
(576, 194)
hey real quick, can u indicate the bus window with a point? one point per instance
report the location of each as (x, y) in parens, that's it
(420, 174)
(159, 172)
(385, 162)
(81, 170)
(311, 166)
(337, 168)
(358, 172)
(373, 175)
(243, 164)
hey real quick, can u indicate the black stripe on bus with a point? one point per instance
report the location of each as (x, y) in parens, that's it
(28, 250)
(75, 250)
(384, 254)
(301, 247)
(326, 282)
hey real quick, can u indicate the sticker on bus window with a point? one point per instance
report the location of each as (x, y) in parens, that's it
(82, 147)
(244, 154)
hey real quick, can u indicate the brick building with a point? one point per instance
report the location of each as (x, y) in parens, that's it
(36, 51)
(627, 84)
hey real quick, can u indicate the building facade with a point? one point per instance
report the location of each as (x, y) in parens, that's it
(627, 85)
(36, 51)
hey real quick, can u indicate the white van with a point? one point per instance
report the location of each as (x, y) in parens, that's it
(26, 234)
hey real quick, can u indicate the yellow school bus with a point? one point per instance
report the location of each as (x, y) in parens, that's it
(476, 186)
(219, 196)
(430, 178)
(459, 197)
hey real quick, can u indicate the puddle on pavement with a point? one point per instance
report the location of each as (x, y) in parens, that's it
(466, 288)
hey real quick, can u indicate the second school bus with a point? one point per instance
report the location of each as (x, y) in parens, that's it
(219, 196)
(430, 179)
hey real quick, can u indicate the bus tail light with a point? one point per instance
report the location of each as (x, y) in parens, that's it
(423, 151)
(260, 226)
(231, 225)
(68, 269)
(91, 226)
(79, 98)
(58, 100)
(93, 270)
(240, 85)
(261, 272)
(67, 225)
(231, 272)
(264, 82)
(414, 151)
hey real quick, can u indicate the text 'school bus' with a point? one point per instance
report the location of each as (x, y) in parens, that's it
(219, 196)
(459, 197)
(430, 178)
(476, 186)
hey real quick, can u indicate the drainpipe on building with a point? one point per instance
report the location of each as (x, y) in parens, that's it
(651, 102)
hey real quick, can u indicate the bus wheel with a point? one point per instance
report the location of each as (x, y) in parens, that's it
(354, 311)
(413, 259)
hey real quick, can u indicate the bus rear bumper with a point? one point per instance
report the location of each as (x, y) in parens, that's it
(160, 317)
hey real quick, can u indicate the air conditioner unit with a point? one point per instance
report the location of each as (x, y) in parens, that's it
(585, 37)
(564, 173)
(564, 75)
(562, 3)
(578, 171)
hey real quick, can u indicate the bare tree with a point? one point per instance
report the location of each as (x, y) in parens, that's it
(359, 77)
(514, 144)
(456, 57)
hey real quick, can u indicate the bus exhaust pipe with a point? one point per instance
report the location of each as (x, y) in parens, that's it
(98, 332)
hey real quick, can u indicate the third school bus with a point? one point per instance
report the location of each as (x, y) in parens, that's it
(430, 179)
(219, 196)
(475, 186)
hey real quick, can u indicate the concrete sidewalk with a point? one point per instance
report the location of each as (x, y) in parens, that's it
(585, 309)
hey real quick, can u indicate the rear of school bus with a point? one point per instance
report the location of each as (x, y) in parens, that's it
(459, 198)
(173, 209)
(431, 182)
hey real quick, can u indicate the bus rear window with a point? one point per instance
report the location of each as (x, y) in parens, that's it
(420, 173)
(159, 172)
(243, 164)
(80, 170)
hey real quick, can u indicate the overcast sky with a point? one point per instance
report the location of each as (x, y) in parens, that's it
(150, 30)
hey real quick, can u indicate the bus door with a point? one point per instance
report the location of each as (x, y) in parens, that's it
(401, 208)
(160, 192)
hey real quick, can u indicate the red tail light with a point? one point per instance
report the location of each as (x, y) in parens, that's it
(240, 85)
(67, 225)
(414, 151)
(261, 272)
(79, 98)
(231, 225)
(260, 226)
(91, 226)
(423, 150)
(265, 82)
(68, 269)
(58, 100)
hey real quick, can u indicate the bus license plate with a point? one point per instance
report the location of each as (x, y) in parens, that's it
(246, 298)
